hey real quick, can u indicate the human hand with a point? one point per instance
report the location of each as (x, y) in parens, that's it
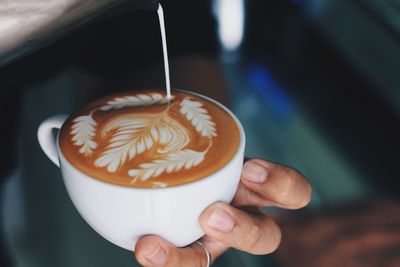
(240, 225)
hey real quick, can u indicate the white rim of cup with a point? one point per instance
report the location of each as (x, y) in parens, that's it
(240, 147)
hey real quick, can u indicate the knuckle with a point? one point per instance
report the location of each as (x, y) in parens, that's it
(295, 191)
(285, 193)
(255, 236)
(276, 238)
(263, 237)
(307, 196)
(273, 238)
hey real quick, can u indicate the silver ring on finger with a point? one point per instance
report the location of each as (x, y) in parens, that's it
(208, 254)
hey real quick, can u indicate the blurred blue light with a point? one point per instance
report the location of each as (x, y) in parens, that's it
(263, 83)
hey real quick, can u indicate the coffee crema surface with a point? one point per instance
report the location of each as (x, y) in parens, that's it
(143, 139)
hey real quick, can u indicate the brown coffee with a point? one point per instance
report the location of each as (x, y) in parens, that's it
(146, 140)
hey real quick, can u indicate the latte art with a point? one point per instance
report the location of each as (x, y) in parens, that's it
(146, 139)
(137, 133)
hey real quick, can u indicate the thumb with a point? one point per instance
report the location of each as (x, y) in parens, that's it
(153, 251)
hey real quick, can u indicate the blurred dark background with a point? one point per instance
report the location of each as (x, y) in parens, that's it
(316, 84)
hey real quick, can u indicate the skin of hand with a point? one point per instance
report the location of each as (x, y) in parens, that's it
(239, 225)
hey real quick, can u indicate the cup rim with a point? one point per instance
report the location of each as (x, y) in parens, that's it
(237, 153)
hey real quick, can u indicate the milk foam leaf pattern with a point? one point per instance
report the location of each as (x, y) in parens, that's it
(132, 134)
(173, 162)
(83, 130)
(173, 135)
(199, 117)
(135, 101)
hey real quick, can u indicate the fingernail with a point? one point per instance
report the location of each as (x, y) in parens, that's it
(254, 172)
(221, 221)
(157, 257)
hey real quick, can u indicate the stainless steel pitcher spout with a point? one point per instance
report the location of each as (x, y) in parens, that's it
(27, 25)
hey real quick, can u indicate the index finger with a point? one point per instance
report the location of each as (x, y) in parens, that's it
(264, 183)
(153, 251)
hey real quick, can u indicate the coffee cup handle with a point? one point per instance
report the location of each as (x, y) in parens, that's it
(47, 139)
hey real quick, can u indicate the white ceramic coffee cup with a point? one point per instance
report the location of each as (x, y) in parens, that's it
(123, 214)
